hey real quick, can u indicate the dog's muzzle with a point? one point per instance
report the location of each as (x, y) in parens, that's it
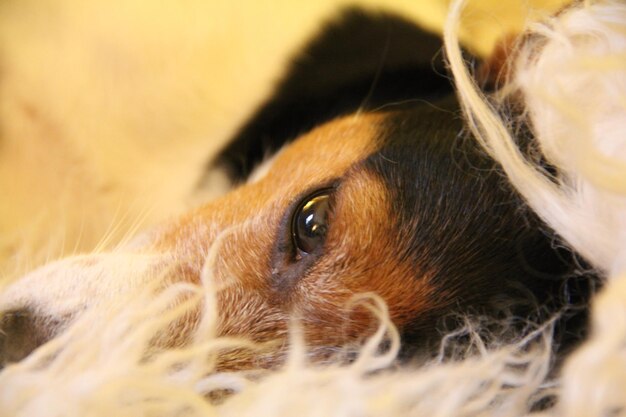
(40, 305)
(21, 332)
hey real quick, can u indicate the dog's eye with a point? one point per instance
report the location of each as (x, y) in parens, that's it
(310, 222)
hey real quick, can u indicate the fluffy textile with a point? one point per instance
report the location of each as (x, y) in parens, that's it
(572, 79)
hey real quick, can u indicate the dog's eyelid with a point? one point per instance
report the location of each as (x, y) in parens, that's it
(330, 186)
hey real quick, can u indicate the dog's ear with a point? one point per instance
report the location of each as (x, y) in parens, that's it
(361, 60)
(495, 70)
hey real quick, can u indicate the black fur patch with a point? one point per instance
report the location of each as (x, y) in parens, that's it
(462, 225)
(359, 61)
(458, 215)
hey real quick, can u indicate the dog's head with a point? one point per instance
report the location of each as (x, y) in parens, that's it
(373, 187)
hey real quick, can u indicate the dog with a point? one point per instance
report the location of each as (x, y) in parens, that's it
(355, 176)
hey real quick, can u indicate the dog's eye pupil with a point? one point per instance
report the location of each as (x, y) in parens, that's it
(310, 223)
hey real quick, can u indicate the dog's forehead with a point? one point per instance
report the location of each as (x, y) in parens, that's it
(328, 152)
(403, 138)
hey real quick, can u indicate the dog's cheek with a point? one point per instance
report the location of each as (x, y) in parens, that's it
(245, 313)
(361, 257)
(241, 275)
(250, 317)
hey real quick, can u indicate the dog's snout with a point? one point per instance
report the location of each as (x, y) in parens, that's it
(21, 332)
